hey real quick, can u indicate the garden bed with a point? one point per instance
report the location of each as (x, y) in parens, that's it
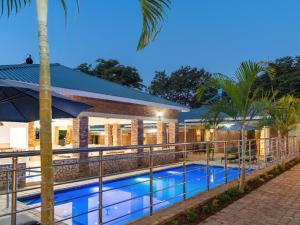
(213, 205)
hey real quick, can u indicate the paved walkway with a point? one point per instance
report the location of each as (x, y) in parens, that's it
(275, 203)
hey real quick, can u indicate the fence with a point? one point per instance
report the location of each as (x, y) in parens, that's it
(159, 175)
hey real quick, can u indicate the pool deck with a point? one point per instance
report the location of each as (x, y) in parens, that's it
(275, 203)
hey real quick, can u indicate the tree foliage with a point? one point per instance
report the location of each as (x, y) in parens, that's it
(181, 85)
(112, 70)
(282, 76)
(241, 101)
(282, 114)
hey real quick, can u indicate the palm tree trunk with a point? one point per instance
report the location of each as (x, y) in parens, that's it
(214, 145)
(243, 172)
(281, 148)
(47, 208)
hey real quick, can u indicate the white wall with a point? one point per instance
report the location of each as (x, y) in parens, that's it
(14, 135)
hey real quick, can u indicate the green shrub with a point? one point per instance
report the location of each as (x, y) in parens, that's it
(191, 215)
(175, 222)
(224, 198)
(247, 188)
(215, 204)
(205, 209)
(233, 192)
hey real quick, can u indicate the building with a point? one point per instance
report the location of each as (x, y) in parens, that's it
(119, 116)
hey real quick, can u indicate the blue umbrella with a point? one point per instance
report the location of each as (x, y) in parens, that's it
(19, 102)
(236, 126)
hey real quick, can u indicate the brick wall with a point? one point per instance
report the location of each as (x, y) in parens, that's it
(120, 108)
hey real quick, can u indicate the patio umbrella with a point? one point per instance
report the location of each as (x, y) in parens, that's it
(19, 102)
(235, 127)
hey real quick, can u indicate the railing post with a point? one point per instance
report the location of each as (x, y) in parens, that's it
(270, 150)
(184, 172)
(151, 179)
(14, 191)
(239, 159)
(226, 163)
(277, 150)
(7, 189)
(250, 153)
(100, 187)
(207, 167)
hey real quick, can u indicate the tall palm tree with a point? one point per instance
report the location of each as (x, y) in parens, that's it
(241, 102)
(153, 13)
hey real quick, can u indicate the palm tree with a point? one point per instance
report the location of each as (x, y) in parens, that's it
(241, 102)
(283, 115)
(152, 18)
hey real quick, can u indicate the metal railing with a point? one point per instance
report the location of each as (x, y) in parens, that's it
(215, 163)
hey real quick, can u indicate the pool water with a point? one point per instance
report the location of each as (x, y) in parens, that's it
(138, 206)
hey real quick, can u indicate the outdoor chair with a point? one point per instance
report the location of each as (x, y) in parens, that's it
(232, 154)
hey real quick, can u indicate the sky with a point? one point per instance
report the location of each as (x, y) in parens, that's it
(212, 34)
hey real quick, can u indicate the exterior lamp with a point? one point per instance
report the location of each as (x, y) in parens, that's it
(159, 115)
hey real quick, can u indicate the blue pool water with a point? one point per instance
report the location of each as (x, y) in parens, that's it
(139, 205)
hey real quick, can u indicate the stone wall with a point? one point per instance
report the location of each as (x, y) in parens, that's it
(68, 169)
(5, 170)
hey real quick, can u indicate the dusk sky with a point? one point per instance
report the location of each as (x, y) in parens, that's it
(214, 34)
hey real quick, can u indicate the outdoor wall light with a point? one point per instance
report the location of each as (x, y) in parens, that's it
(159, 114)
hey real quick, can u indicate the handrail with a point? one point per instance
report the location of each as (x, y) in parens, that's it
(273, 153)
(26, 153)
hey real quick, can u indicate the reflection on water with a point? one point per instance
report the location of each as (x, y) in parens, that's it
(165, 192)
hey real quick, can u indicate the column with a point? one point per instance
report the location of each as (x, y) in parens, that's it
(108, 139)
(31, 136)
(265, 142)
(137, 132)
(173, 132)
(137, 138)
(80, 140)
(117, 136)
(161, 137)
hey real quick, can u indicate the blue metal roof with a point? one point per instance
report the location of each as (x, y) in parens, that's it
(193, 114)
(64, 77)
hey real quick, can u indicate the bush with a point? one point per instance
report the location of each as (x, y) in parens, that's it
(191, 215)
(215, 204)
(175, 222)
(224, 198)
(205, 209)
(233, 192)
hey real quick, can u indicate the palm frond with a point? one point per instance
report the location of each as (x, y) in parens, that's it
(8, 6)
(153, 14)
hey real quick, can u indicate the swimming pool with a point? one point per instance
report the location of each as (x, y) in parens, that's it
(166, 186)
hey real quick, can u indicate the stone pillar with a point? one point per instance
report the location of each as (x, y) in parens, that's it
(117, 136)
(265, 134)
(173, 132)
(137, 132)
(31, 136)
(56, 136)
(161, 137)
(80, 140)
(108, 139)
(137, 138)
